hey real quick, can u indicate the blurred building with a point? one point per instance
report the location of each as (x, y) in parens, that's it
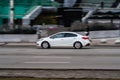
(27, 10)
(24, 10)
(92, 10)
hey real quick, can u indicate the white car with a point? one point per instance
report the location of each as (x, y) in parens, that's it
(64, 39)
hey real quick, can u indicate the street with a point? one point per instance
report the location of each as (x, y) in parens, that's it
(86, 58)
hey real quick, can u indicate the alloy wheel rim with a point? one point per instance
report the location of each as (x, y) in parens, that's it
(77, 45)
(45, 45)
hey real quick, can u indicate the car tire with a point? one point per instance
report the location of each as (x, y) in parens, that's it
(45, 45)
(77, 45)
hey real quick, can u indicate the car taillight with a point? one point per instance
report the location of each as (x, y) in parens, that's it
(85, 37)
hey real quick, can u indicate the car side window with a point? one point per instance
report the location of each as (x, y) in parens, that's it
(59, 35)
(70, 35)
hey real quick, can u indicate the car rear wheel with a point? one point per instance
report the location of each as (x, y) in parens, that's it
(45, 45)
(77, 45)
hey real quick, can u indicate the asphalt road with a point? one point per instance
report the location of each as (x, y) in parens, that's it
(86, 58)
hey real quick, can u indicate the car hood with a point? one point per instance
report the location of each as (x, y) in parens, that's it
(42, 39)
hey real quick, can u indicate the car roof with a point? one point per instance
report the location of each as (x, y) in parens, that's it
(68, 32)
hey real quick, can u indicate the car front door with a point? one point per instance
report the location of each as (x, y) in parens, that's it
(57, 39)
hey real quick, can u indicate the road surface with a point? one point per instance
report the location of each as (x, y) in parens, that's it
(86, 58)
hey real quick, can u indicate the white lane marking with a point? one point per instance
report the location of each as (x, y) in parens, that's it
(48, 62)
(50, 57)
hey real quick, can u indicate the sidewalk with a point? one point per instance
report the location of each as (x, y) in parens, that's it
(95, 42)
(20, 44)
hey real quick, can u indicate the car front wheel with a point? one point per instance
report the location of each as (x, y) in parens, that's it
(77, 45)
(45, 45)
